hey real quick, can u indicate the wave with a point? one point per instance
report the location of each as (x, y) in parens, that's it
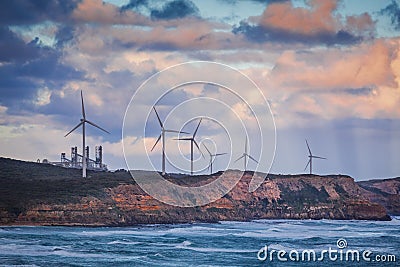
(188, 245)
(123, 242)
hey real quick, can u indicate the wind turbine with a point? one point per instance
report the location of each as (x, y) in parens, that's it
(162, 136)
(211, 157)
(192, 141)
(311, 156)
(245, 155)
(83, 121)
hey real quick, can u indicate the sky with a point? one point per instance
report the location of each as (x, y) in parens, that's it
(329, 72)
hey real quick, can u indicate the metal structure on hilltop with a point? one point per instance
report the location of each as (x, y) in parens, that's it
(85, 154)
(162, 137)
(245, 155)
(212, 158)
(192, 141)
(311, 156)
(76, 160)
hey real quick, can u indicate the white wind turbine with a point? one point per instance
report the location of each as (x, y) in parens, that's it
(311, 156)
(83, 121)
(162, 137)
(245, 155)
(192, 141)
(212, 156)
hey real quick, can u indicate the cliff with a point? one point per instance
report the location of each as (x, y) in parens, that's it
(385, 192)
(40, 194)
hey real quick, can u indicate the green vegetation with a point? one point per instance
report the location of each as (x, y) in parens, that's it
(307, 195)
(23, 184)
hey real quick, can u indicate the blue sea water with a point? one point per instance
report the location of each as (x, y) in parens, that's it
(206, 244)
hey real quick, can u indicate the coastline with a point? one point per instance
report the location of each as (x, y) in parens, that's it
(44, 195)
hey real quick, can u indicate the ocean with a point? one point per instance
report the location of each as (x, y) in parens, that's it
(255, 243)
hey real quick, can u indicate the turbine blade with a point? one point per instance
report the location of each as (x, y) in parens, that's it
(308, 163)
(74, 129)
(309, 150)
(158, 117)
(197, 145)
(240, 158)
(316, 157)
(245, 146)
(252, 158)
(174, 131)
(158, 139)
(198, 125)
(207, 150)
(83, 107)
(220, 154)
(184, 139)
(95, 125)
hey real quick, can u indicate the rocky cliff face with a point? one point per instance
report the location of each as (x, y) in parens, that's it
(56, 196)
(385, 192)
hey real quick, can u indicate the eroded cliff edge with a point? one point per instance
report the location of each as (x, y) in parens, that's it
(38, 194)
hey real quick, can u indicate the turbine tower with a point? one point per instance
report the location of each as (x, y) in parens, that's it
(83, 121)
(212, 156)
(162, 137)
(245, 155)
(192, 141)
(311, 156)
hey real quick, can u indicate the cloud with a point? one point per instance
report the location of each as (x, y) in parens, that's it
(189, 34)
(96, 11)
(361, 25)
(365, 65)
(28, 68)
(257, 1)
(12, 48)
(64, 35)
(284, 16)
(393, 11)
(314, 24)
(357, 82)
(134, 4)
(175, 9)
(24, 12)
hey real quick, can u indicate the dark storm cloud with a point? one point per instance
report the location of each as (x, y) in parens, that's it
(64, 35)
(260, 34)
(24, 12)
(393, 11)
(133, 4)
(359, 91)
(12, 48)
(30, 66)
(257, 1)
(47, 67)
(170, 10)
(175, 9)
(28, 70)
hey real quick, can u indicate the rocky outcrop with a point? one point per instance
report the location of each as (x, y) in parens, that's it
(385, 192)
(56, 196)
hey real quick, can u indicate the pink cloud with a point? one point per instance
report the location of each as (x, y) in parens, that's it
(317, 18)
(95, 11)
(361, 24)
(365, 65)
